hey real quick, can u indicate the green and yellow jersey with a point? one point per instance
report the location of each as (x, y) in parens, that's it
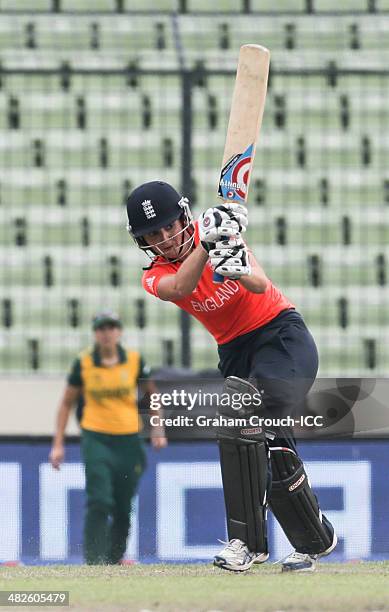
(109, 393)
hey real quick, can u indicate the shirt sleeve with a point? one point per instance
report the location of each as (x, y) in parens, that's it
(74, 378)
(151, 278)
(144, 370)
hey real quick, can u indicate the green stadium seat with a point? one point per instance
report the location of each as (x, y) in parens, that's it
(288, 6)
(84, 5)
(346, 6)
(169, 6)
(25, 5)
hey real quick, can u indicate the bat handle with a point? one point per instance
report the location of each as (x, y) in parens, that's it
(218, 278)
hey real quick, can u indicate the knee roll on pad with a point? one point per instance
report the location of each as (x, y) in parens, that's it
(295, 506)
(238, 387)
(244, 460)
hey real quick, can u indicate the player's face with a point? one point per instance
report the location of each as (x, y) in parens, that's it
(169, 241)
(108, 335)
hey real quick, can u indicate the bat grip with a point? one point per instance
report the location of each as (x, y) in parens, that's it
(218, 278)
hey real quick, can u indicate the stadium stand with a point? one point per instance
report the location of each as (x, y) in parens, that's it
(91, 104)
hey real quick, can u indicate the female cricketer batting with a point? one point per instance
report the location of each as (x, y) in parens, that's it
(260, 337)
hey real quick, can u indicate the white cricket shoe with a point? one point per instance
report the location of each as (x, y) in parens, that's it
(299, 562)
(236, 557)
(302, 562)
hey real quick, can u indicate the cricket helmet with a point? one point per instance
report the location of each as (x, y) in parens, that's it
(152, 206)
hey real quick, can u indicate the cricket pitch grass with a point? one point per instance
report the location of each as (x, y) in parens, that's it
(186, 588)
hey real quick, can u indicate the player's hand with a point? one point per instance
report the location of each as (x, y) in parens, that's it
(158, 442)
(221, 222)
(238, 212)
(157, 438)
(57, 455)
(230, 258)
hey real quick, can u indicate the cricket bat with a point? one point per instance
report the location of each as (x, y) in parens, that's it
(248, 103)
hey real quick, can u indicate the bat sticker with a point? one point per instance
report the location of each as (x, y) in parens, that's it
(234, 176)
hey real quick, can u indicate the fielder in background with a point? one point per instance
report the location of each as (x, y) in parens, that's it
(260, 337)
(106, 377)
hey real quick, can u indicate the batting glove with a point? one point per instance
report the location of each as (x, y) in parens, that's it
(221, 222)
(230, 258)
(238, 212)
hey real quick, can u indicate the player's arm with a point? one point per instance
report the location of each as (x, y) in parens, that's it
(185, 280)
(257, 281)
(157, 432)
(69, 398)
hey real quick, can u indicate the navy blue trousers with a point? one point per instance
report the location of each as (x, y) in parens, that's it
(282, 359)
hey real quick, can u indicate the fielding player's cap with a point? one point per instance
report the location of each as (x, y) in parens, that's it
(152, 206)
(107, 317)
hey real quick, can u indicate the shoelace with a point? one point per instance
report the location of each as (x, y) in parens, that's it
(232, 544)
(293, 556)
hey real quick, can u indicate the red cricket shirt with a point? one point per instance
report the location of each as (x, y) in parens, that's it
(227, 310)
